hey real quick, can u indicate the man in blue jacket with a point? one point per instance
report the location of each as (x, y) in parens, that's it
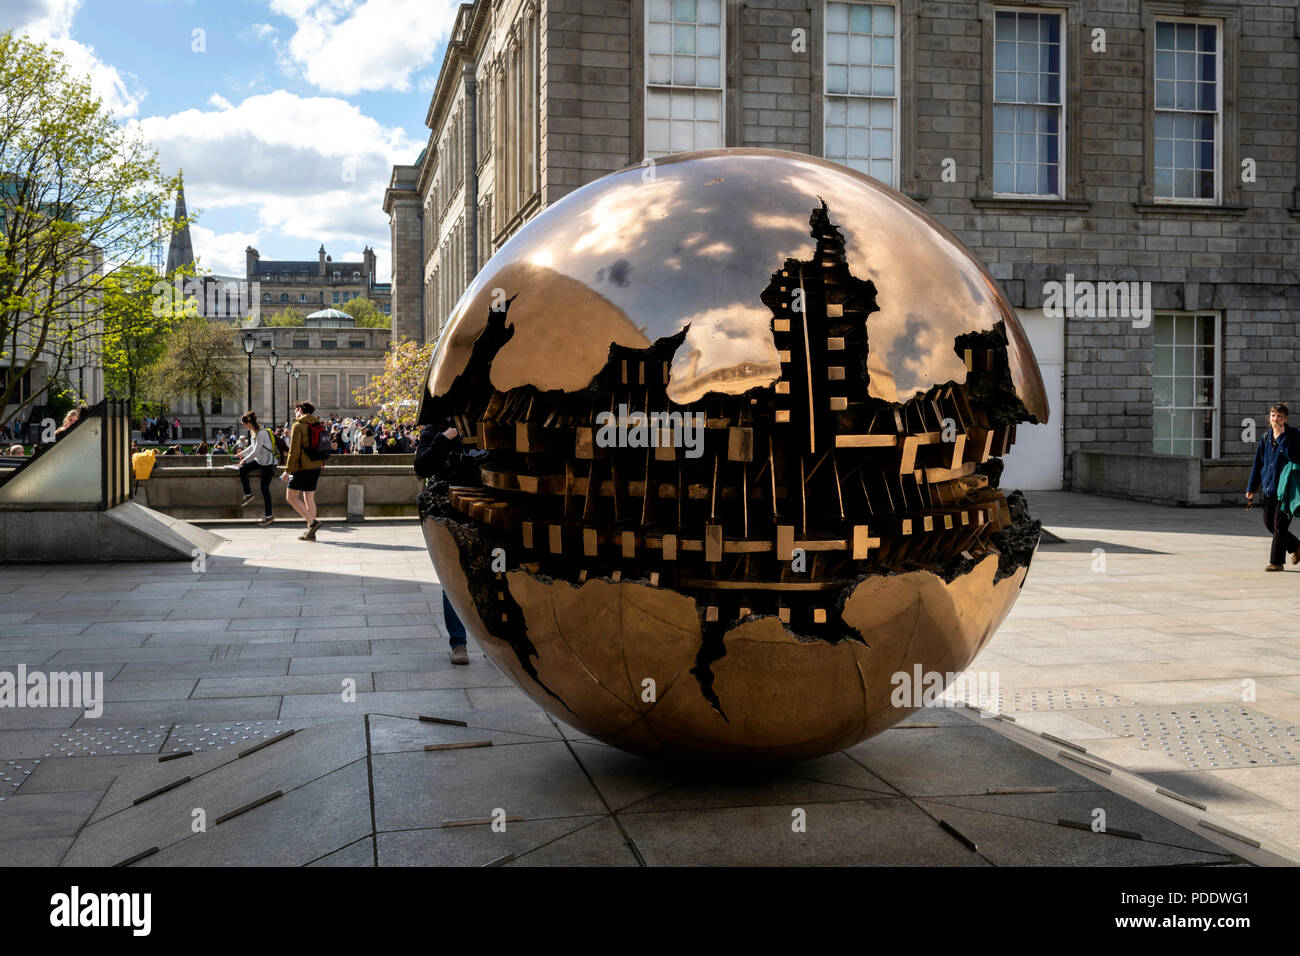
(1277, 446)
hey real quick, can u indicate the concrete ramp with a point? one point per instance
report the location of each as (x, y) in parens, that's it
(127, 532)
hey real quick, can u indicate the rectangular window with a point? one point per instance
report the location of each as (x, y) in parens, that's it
(300, 343)
(861, 97)
(1028, 104)
(1187, 111)
(1185, 385)
(356, 343)
(684, 80)
(302, 296)
(336, 297)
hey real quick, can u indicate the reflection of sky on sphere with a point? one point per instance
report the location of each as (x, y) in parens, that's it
(629, 259)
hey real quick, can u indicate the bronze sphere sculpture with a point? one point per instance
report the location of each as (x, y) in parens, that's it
(736, 420)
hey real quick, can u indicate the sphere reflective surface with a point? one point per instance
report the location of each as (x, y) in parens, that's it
(734, 423)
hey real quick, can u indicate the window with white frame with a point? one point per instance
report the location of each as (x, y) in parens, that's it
(1028, 104)
(683, 93)
(1185, 384)
(1187, 111)
(860, 102)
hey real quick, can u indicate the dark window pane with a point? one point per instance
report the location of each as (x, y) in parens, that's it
(1208, 36)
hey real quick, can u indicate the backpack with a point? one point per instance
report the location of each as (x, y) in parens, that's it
(318, 442)
(279, 447)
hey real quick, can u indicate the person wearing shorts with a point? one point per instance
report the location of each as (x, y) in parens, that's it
(301, 471)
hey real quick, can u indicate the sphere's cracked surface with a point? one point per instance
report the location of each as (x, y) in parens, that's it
(750, 590)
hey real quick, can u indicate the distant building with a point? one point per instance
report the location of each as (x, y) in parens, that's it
(306, 286)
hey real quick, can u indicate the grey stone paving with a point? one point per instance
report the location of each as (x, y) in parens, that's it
(346, 646)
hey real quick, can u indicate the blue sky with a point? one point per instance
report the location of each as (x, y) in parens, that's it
(286, 115)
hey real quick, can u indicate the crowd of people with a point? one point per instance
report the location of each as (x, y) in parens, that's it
(158, 428)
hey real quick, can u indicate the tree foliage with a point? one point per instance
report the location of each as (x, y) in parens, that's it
(396, 391)
(367, 314)
(141, 309)
(199, 359)
(80, 197)
(285, 317)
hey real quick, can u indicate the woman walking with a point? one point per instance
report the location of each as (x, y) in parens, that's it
(260, 456)
(302, 471)
(1279, 445)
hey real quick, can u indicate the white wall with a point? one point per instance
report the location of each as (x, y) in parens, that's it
(1037, 459)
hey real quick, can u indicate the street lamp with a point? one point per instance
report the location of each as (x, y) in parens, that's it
(272, 360)
(296, 373)
(249, 345)
(288, 374)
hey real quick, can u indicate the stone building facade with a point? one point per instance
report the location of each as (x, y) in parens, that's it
(1081, 148)
(334, 362)
(306, 286)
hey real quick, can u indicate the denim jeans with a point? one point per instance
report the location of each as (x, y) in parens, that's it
(454, 627)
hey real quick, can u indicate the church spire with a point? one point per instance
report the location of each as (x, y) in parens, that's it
(181, 251)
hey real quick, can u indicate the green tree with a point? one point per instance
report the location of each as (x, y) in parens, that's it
(77, 191)
(140, 311)
(285, 317)
(396, 391)
(198, 359)
(366, 313)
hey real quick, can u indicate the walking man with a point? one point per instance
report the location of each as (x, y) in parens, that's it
(431, 458)
(1277, 446)
(302, 470)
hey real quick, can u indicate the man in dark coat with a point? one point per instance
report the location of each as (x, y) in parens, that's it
(1277, 446)
(433, 458)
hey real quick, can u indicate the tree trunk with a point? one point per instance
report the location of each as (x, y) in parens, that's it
(203, 418)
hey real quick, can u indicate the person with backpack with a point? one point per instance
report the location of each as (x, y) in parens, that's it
(261, 455)
(309, 446)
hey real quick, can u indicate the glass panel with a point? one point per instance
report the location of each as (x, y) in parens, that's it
(684, 38)
(860, 112)
(684, 70)
(1164, 360)
(1004, 86)
(661, 69)
(1164, 36)
(708, 39)
(1205, 329)
(710, 12)
(883, 169)
(882, 50)
(708, 106)
(860, 49)
(836, 142)
(1003, 143)
(1209, 36)
(1004, 54)
(1003, 178)
(858, 143)
(683, 9)
(1164, 330)
(837, 48)
(837, 79)
(1162, 391)
(682, 136)
(884, 76)
(1183, 391)
(1205, 392)
(1183, 419)
(656, 104)
(661, 9)
(1183, 359)
(860, 18)
(884, 20)
(710, 71)
(661, 38)
(1164, 66)
(837, 16)
(860, 79)
(882, 113)
(1186, 36)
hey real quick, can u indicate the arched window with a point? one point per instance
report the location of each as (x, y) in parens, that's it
(284, 297)
(266, 297)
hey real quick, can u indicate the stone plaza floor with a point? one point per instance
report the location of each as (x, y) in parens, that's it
(1147, 650)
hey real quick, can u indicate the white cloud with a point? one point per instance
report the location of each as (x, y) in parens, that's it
(222, 253)
(311, 167)
(350, 46)
(50, 21)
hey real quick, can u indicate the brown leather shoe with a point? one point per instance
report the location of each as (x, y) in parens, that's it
(1273, 567)
(1295, 556)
